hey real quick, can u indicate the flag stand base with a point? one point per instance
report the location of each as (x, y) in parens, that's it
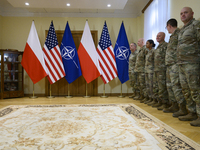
(68, 96)
(86, 96)
(33, 97)
(121, 96)
(104, 96)
(50, 96)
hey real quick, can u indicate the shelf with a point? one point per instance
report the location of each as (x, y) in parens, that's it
(11, 74)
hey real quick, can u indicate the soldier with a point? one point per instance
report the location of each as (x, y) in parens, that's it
(173, 82)
(160, 73)
(149, 70)
(188, 56)
(132, 73)
(139, 68)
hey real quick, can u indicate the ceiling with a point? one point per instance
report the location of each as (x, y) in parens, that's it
(77, 8)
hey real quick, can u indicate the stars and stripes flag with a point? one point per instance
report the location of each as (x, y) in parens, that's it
(106, 56)
(53, 59)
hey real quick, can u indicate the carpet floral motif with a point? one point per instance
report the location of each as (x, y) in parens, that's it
(83, 127)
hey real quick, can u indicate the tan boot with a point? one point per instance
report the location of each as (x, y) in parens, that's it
(153, 102)
(149, 101)
(141, 97)
(196, 122)
(137, 95)
(145, 99)
(158, 104)
(188, 117)
(133, 95)
(172, 109)
(182, 111)
(163, 106)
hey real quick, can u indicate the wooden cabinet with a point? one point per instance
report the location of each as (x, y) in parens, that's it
(11, 74)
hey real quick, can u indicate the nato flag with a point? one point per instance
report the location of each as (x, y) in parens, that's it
(70, 57)
(122, 53)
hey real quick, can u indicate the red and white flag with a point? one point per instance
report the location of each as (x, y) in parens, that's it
(53, 59)
(106, 56)
(88, 56)
(33, 57)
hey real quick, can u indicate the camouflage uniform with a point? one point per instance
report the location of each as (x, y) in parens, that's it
(139, 67)
(132, 73)
(149, 70)
(188, 57)
(173, 82)
(160, 73)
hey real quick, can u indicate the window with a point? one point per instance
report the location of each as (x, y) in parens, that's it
(155, 19)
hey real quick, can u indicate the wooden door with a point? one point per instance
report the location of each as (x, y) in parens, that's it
(78, 87)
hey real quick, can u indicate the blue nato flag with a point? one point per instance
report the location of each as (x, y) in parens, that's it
(70, 56)
(122, 53)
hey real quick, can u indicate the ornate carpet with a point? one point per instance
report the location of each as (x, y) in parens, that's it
(86, 127)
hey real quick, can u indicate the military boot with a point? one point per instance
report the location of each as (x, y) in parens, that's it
(143, 100)
(157, 104)
(137, 95)
(188, 117)
(133, 95)
(196, 122)
(149, 101)
(141, 97)
(182, 111)
(163, 106)
(153, 102)
(172, 109)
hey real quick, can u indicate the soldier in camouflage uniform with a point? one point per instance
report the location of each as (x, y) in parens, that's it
(188, 56)
(173, 82)
(139, 68)
(160, 73)
(132, 73)
(149, 70)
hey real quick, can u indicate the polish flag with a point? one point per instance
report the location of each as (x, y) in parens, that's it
(33, 57)
(88, 56)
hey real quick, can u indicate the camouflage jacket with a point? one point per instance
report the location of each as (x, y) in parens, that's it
(149, 61)
(171, 52)
(140, 60)
(132, 61)
(188, 50)
(159, 57)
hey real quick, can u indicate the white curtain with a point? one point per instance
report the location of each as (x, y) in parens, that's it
(155, 19)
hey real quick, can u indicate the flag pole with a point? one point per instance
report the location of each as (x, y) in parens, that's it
(86, 92)
(104, 96)
(121, 96)
(68, 96)
(33, 97)
(50, 93)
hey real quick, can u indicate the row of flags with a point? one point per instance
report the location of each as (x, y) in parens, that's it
(65, 61)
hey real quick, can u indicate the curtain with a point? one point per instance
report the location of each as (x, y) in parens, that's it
(155, 19)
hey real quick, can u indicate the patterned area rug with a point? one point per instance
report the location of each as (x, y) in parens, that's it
(86, 127)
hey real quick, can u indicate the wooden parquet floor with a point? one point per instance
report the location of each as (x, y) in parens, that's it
(181, 126)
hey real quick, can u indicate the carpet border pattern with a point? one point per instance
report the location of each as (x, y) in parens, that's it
(169, 137)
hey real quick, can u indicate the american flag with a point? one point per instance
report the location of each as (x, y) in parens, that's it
(53, 59)
(106, 56)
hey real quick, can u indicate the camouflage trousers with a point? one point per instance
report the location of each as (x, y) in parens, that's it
(173, 84)
(141, 83)
(133, 78)
(159, 87)
(149, 84)
(189, 79)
